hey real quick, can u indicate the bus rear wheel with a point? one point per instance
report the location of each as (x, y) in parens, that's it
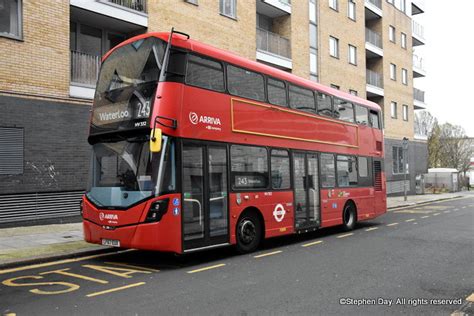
(349, 217)
(248, 232)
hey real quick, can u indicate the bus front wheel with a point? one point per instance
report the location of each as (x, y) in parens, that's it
(249, 233)
(349, 216)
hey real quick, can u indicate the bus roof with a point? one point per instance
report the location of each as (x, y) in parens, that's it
(220, 54)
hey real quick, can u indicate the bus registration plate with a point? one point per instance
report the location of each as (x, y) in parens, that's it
(111, 242)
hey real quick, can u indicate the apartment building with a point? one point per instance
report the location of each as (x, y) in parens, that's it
(51, 56)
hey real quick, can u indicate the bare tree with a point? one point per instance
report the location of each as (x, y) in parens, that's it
(424, 123)
(455, 148)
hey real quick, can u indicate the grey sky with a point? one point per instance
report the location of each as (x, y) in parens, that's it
(449, 61)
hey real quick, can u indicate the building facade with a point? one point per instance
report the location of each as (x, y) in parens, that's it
(51, 54)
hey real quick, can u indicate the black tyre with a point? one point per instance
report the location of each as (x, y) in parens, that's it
(349, 216)
(248, 233)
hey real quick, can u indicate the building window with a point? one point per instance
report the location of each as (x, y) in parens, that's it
(393, 72)
(10, 18)
(391, 34)
(404, 40)
(312, 11)
(335, 86)
(333, 47)
(11, 150)
(393, 109)
(333, 4)
(390, 1)
(192, 1)
(404, 76)
(313, 61)
(313, 35)
(352, 55)
(397, 160)
(405, 112)
(351, 10)
(353, 92)
(228, 8)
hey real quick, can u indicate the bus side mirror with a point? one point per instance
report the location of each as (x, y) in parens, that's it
(155, 140)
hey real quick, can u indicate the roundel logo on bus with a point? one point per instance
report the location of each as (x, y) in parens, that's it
(194, 118)
(279, 213)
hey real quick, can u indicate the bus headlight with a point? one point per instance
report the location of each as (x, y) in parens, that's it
(157, 210)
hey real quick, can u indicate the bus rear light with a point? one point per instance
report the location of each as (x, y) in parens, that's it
(157, 210)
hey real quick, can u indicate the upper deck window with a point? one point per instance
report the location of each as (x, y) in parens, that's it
(324, 104)
(343, 110)
(205, 73)
(245, 83)
(276, 92)
(374, 119)
(362, 115)
(302, 99)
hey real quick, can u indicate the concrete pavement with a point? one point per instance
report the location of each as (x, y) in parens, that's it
(20, 245)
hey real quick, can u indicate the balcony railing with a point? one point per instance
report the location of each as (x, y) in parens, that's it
(137, 5)
(419, 95)
(84, 68)
(377, 3)
(374, 79)
(418, 62)
(373, 38)
(418, 29)
(273, 43)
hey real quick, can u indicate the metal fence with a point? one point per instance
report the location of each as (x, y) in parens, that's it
(418, 62)
(377, 3)
(373, 38)
(273, 43)
(419, 94)
(374, 78)
(84, 68)
(417, 29)
(137, 5)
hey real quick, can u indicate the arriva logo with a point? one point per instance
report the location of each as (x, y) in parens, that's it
(195, 118)
(103, 216)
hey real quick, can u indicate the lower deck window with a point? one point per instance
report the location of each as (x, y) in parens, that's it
(346, 171)
(249, 168)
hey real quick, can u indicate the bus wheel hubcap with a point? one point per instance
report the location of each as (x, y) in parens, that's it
(248, 231)
(349, 217)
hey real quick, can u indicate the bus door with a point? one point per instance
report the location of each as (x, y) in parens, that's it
(306, 190)
(205, 197)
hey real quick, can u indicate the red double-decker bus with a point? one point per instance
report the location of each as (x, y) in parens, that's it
(195, 147)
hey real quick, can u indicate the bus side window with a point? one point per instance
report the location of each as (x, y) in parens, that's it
(245, 83)
(344, 110)
(276, 92)
(328, 174)
(362, 115)
(365, 172)
(249, 167)
(302, 99)
(280, 166)
(374, 119)
(205, 73)
(324, 104)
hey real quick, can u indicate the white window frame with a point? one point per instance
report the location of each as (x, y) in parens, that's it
(393, 110)
(391, 33)
(351, 9)
(334, 46)
(352, 55)
(19, 22)
(403, 40)
(333, 4)
(405, 112)
(233, 8)
(393, 72)
(404, 76)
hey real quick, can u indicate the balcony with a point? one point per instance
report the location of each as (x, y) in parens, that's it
(84, 73)
(373, 9)
(127, 15)
(418, 33)
(419, 99)
(417, 7)
(418, 67)
(373, 44)
(274, 8)
(273, 49)
(374, 84)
